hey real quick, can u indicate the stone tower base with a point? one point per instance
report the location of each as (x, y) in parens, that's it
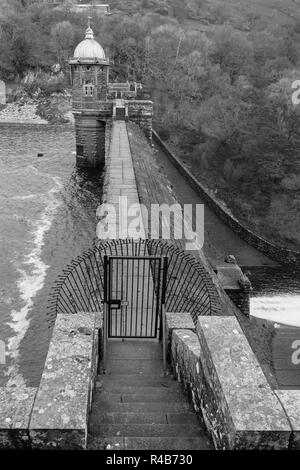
(90, 140)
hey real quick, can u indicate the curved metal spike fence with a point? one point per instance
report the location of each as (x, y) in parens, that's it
(81, 286)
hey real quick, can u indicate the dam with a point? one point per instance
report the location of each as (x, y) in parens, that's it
(131, 314)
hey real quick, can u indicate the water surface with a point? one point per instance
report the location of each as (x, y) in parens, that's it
(47, 217)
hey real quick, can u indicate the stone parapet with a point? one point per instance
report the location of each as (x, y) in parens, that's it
(227, 386)
(176, 321)
(290, 400)
(179, 320)
(103, 109)
(141, 112)
(55, 415)
(15, 412)
(60, 412)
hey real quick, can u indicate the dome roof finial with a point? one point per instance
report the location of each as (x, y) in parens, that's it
(89, 49)
(89, 33)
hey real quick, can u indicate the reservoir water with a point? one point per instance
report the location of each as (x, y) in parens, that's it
(47, 217)
(276, 294)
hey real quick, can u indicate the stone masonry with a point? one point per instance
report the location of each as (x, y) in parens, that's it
(227, 387)
(90, 140)
(95, 100)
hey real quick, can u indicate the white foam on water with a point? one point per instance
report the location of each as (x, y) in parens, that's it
(23, 198)
(283, 308)
(31, 281)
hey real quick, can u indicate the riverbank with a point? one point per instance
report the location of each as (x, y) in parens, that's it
(16, 113)
(55, 109)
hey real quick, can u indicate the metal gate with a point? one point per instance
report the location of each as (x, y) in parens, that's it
(120, 114)
(134, 291)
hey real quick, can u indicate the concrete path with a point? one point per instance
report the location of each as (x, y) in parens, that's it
(121, 177)
(131, 281)
(136, 407)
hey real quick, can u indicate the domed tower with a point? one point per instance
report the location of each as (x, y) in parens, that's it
(89, 76)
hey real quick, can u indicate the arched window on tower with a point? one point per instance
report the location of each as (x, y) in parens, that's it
(88, 89)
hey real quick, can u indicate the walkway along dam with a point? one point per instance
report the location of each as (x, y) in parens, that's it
(152, 347)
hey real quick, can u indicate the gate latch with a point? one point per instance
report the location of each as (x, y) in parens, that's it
(115, 303)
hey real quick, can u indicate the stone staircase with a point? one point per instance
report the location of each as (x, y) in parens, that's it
(136, 407)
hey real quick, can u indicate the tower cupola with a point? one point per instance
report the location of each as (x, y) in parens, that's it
(89, 49)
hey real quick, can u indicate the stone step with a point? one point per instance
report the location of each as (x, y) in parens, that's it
(149, 443)
(142, 407)
(162, 396)
(144, 418)
(189, 417)
(130, 350)
(134, 366)
(166, 443)
(111, 387)
(105, 443)
(136, 380)
(147, 430)
(127, 418)
(136, 406)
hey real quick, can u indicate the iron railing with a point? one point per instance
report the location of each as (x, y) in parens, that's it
(189, 287)
(133, 299)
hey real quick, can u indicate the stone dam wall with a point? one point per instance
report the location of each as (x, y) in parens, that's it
(280, 254)
(213, 360)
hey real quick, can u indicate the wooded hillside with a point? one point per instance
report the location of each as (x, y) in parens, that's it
(221, 75)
